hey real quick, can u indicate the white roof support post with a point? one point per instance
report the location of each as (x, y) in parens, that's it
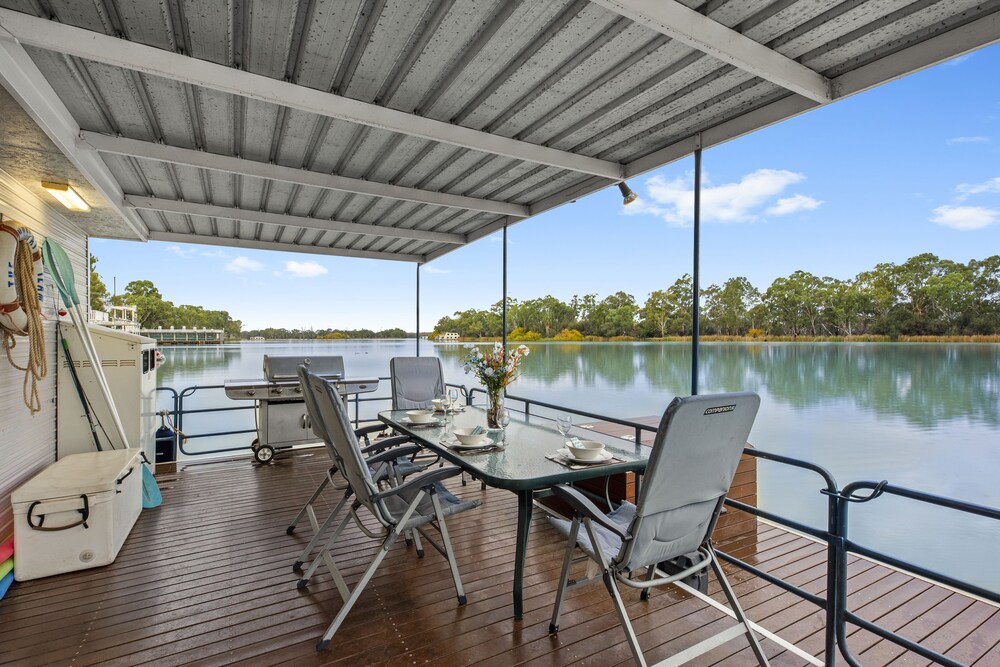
(685, 25)
(101, 48)
(25, 82)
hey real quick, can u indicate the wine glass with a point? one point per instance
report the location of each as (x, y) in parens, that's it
(440, 401)
(563, 424)
(453, 398)
(504, 423)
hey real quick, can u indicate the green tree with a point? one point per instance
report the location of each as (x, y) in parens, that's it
(151, 310)
(615, 315)
(98, 290)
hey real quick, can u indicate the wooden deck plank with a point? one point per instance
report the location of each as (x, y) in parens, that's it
(206, 580)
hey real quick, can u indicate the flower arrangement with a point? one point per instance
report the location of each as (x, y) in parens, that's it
(494, 370)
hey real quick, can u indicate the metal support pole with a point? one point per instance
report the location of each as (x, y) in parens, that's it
(695, 291)
(503, 309)
(418, 309)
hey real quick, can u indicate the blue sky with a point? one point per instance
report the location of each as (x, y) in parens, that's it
(909, 167)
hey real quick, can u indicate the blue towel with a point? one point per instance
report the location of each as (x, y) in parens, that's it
(5, 584)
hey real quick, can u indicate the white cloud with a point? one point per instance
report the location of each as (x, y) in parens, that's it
(794, 204)
(434, 269)
(743, 201)
(305, 269)
(179, 251)
(959, 60)
(965, 218)
(966, 190)
(214, 253)
(241, 264)
(968, 140)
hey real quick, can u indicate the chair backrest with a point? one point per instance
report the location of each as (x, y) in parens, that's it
(341, 441)
(416, 381)
(690, 469)
(316, 422)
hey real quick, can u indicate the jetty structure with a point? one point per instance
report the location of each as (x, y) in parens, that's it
(398, 130)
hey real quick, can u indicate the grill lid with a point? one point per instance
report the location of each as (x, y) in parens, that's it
(286, 367)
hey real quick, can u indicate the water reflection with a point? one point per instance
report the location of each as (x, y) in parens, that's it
(924, 384)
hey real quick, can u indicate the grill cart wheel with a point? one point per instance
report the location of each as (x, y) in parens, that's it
(263, 453)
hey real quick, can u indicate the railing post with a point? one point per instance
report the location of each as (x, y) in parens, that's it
(834, 575)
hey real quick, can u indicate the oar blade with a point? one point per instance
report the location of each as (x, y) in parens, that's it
(58, 264)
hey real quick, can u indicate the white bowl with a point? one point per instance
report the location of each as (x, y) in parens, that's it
(440, 403)
(465, 437)
(420, 416)
(586, 450)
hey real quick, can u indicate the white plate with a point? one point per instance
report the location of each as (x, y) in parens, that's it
(605, 456)
(458, 445)
(433, 422)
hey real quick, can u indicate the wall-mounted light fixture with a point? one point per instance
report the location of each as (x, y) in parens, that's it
(67, 196)
(627, 195)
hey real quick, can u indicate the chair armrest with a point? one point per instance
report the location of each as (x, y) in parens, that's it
(368, 430)
(393, 454)
(385, 444)
(421, 481)
(586, 509)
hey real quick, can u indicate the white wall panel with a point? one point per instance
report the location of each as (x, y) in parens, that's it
(28, 443)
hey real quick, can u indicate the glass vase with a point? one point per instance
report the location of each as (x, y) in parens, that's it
(494, 408)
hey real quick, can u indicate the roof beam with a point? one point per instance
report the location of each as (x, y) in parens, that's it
(204, 160)
(282, 219)
(174, 237)
(98, 47)
(683, 24)
(27, 85)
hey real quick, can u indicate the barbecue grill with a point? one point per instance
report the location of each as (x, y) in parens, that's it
(281, 416)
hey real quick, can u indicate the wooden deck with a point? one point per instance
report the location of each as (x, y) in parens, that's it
(206, 580)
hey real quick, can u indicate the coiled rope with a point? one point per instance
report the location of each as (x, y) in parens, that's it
(27, 289)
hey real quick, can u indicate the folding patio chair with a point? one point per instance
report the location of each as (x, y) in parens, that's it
(690, 469)
(392, 467)
(416, 381)
(419, 501)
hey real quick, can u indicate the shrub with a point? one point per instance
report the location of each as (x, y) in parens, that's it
(755, 333)
(521, 334)
(622, 339)
(568, 334)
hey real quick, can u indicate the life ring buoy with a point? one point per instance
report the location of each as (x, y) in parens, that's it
(12, 315)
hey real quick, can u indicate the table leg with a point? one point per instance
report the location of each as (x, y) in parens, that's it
(524, 505)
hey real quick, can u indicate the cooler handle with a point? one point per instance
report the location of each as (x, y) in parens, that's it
(85, 512)
(118, 482)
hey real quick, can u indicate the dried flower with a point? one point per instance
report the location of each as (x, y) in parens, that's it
(492, 368)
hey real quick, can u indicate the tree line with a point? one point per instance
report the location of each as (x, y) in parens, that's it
(924, 295)
(155, 312)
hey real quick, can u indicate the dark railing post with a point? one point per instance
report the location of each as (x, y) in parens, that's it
(418, 309)
(695, 296)
(503, 308)
(836, 572)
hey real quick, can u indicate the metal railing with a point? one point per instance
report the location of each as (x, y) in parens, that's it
(179, 410)
(834, 602)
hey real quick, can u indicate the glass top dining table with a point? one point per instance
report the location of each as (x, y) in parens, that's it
(520, 465)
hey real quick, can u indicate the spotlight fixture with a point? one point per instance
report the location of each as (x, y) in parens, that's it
(627, 195)
(67, 196)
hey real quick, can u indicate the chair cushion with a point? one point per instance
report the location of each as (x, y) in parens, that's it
(610, 543)
(450, 504)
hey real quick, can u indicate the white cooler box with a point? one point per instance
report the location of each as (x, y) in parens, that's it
(76, 513)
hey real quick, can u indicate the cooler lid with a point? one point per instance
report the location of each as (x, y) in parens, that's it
(90, 473)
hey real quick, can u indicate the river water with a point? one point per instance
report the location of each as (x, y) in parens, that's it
(924, 416)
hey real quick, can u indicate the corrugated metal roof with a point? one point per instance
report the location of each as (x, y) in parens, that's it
(536, 103)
